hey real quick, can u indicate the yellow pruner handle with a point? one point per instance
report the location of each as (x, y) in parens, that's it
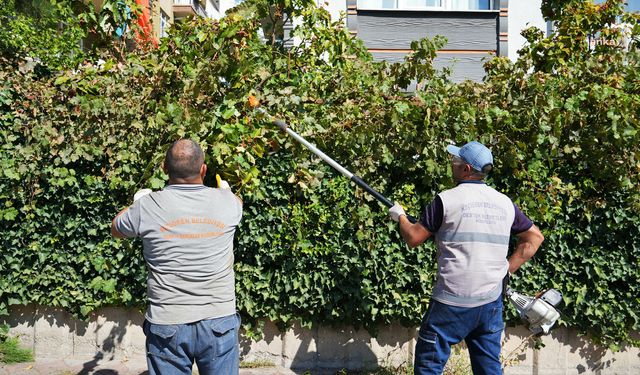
(218, 179)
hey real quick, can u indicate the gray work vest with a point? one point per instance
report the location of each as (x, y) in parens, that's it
(472, 245)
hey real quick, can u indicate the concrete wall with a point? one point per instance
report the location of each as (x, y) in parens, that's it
(116, 334)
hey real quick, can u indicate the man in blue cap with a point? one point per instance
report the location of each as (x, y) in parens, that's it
(471, 225)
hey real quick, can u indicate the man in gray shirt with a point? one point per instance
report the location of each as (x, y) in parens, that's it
(187, 232)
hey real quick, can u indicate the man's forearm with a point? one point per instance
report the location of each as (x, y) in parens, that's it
(522, 254)
(413, 234)
(114, 232)
(528, 244)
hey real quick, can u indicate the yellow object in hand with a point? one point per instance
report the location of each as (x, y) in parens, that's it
(222, 184)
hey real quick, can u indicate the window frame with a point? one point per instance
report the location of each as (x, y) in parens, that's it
(165, 23)
(445, 5)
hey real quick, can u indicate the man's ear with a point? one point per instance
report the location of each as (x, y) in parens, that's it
(203, 170)
(469, 169)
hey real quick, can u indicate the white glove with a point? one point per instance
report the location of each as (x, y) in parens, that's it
(141, 193)
(396, 211)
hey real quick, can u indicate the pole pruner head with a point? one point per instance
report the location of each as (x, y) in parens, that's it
(254, 103)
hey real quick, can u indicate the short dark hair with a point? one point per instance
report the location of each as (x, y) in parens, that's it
(184, 159)
(487, 168)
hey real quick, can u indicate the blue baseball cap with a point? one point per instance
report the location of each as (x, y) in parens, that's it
(474, 153)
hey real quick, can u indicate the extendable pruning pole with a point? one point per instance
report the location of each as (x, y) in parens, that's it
(357, 180)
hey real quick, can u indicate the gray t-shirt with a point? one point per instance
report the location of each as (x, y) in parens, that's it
(187, 234)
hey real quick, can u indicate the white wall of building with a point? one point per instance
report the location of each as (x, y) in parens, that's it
(226, 5)
(211, 10)
(334, 7)
(523, 14)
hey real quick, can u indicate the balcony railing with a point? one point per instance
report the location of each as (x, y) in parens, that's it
(184, 8)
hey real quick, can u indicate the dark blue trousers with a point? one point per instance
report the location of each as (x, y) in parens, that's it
(443, 326)
(212, 344)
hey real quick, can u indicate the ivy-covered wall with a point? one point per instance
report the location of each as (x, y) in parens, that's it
(562, 123)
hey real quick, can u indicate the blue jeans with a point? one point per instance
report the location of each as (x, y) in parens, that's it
(212, 344)
(443, 326)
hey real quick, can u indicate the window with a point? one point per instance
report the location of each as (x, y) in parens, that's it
(426, 4)
(471, 5)
(165, 22)
(418, 4)
(399, 4)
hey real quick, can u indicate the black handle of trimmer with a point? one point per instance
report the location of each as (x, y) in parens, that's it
(358, 181)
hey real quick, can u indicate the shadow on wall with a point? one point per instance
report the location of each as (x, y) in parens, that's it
(116, 334)
(329, 349)
(563, 346)
(109, 329)
(268, 349)
(22, 320)
(323, 348)
(54, 333)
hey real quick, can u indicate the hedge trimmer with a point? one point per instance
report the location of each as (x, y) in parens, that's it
(255, 103)
(539, 312)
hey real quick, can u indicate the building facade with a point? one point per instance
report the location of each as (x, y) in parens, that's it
(165, 13)
(476, 30)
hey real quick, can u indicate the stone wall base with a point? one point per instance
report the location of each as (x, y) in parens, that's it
(116, 334)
